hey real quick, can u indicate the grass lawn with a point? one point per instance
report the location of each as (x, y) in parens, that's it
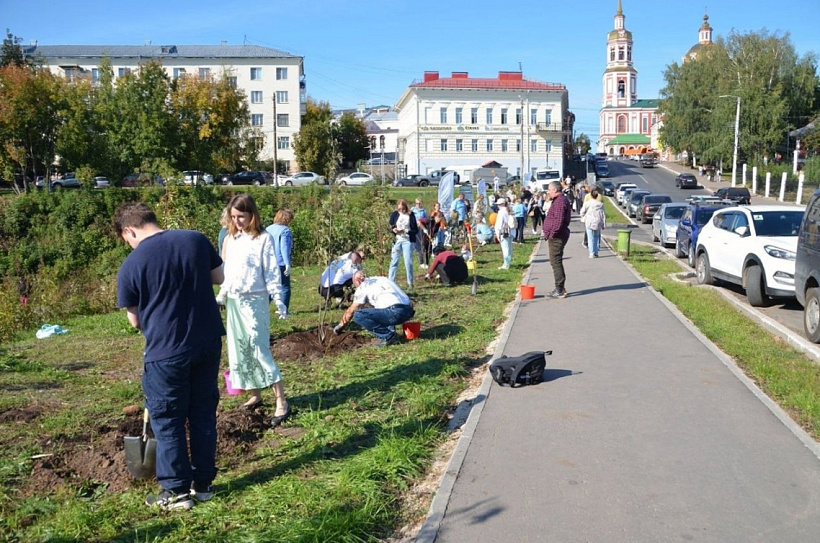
(367, 425)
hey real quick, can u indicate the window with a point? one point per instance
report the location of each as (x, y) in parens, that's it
(533, 145)
(281, 97)
(204, 73)
(256, 74)
(629, 53)
(95, 75)
(548, 117)
(459, 145)
(533, 116)
(381, 142)
(518, 115)
(504, 146)
(256, 119)
(122, 72)
(179, 72)
(443, 144)
(474, 115)
(620, 53)
(621, 88)
(474, 145)
(490, 144)
(282, 119)
(443, 115)
(232, 81)
(459, 119)
(518, 146)
(549, 146)
(611, 53)
(426, 146)
(256, 97)
(503, 115)
(281, 74)
(283, 143)
(645, 125)
(489, 116)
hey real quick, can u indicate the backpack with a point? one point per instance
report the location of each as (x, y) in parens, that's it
(521, 370)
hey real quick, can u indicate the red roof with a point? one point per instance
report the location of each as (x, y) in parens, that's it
(505, 80)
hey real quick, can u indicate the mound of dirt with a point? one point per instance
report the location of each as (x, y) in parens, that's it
(309, 346)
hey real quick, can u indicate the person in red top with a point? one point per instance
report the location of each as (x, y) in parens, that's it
(450, 267)
(556, 232)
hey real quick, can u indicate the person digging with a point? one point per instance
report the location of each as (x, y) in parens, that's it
(390, 306)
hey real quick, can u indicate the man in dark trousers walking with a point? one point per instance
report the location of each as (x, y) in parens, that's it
(556, 232)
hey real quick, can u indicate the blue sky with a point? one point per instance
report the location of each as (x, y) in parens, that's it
(365, 51)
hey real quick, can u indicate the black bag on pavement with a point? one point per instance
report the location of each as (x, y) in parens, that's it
(517, 371)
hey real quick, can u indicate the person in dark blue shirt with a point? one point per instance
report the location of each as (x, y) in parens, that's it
(165, 285)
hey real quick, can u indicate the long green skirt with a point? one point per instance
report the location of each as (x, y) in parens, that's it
(249, 357)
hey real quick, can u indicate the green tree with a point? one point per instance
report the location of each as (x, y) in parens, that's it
(11, 54)
(350, 137)
(312, 146)
(582, 142)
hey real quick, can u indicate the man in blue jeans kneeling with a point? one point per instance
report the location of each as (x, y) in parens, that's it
(390, 307)
(165, 285)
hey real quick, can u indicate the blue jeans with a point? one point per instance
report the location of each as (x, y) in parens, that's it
(285, 287)
(593, 241)
(381, 322)
(405, 249)
(506, 247)
(177, 390)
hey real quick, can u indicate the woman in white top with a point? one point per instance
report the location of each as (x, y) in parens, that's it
(403, 225)
(594, 218)
(504, 232)
(251, 276)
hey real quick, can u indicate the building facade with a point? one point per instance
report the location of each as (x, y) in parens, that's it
(625, 121)
(460, 123)
(272, 80)
(382, 125)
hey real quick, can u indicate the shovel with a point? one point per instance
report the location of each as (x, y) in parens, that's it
(141, 453)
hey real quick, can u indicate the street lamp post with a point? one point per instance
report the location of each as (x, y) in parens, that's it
(737, 132)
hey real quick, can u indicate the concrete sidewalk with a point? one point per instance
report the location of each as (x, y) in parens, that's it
(642, 431)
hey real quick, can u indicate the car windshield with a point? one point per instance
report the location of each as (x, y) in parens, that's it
(777, 223)
(704, 215)
(673, 212)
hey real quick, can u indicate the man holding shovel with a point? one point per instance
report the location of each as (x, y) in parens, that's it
(165, 285)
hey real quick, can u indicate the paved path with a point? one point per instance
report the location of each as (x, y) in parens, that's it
(643, 431)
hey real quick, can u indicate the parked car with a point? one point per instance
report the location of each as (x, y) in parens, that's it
(101, 182)
(67, 181)
(356, 178)
(751, 246)
(607, 188)
(807, 269)
(686, 181)
(693, 219)
(649, 205)
(602, 170)
(704, 199)
(246, 178)
(378, 161)
(196, 177)
(739, 195)
(413, 180)
(436, 175)
(665, 223)
(635, 198)
(620, 188)
(304, 178)
(136, 180)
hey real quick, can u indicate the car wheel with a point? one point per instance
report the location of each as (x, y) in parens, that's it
(288, 183)
(229, 183)
(655, 237)
(423, 183)
(256, 183)
(756, 287)
(343, 183)
(703, 272)
(57, 186)
(690, 257)
(679, 250)
(811, 315)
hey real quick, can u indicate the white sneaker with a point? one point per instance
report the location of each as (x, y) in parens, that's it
(503, 267)
(423, 266)
(591, 255)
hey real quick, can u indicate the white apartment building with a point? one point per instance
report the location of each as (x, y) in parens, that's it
(460, 123)
(272, 80)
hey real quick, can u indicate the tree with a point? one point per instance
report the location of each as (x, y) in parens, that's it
(350, 137)
(313, 146)
(582, 142)
(11, 54)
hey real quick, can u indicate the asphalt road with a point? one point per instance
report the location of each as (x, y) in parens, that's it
(658, 180)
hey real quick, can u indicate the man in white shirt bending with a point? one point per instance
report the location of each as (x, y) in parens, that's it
(337, 279)
(390, 307)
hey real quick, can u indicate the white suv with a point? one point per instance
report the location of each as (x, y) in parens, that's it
(619, 192)
(751, 246)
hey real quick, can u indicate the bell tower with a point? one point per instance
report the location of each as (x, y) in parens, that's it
(620, 79)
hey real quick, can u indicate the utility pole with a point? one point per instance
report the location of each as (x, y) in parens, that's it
(275, 146)
(521, 118)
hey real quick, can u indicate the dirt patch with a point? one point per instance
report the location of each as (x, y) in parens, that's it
(24, 415)
(308, 346)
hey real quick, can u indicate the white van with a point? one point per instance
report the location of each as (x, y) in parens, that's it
(544, 176)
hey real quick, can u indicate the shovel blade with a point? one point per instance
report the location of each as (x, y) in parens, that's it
(141, 457)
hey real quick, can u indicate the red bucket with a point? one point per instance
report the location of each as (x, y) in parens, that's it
(231, 390)
(527, 292)
(412, 329)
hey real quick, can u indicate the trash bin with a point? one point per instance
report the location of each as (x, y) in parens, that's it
(623, 241)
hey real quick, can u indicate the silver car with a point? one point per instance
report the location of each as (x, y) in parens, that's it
(304, 178)
(634, 201)
(665, 223)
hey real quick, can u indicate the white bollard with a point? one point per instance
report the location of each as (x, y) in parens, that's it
(783, 187)
(768, 183)
(800, 179)
(743, 184)
(754, 179)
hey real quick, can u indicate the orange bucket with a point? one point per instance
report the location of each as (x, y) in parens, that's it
(527, 292)
(412, 329)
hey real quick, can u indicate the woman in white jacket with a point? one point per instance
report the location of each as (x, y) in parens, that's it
(505, 232)
(592, 213)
